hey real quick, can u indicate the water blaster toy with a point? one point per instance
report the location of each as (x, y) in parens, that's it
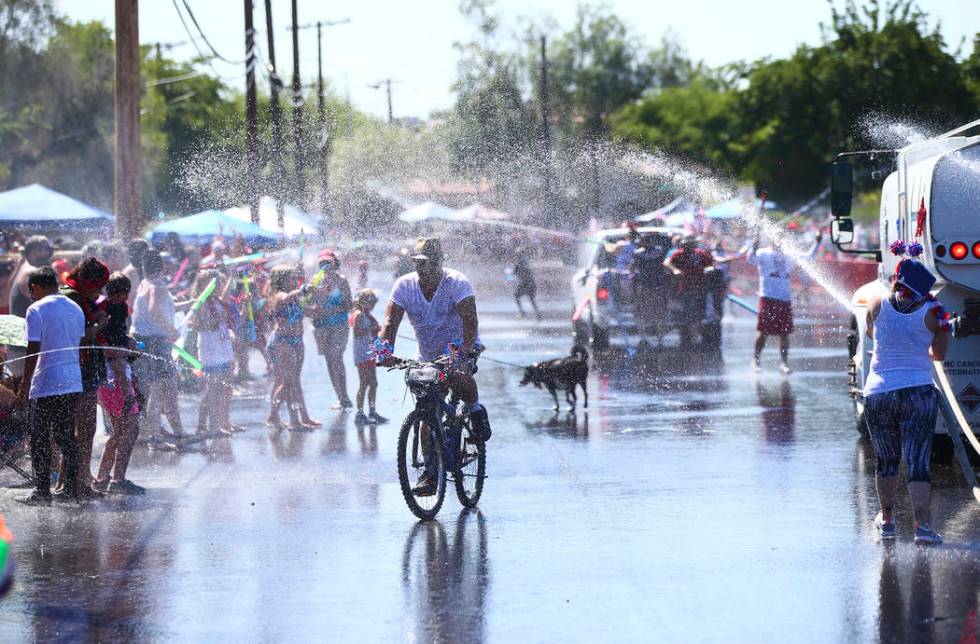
(196, 366)
(205, 294)
(6, 559)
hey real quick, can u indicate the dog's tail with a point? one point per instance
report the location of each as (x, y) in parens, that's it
(579, 351)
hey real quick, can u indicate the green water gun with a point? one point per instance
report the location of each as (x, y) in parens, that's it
(252, 332)
(205, 294)
(195, 364)
(314, 283)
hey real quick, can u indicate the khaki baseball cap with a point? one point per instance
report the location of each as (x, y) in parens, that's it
(428, 248)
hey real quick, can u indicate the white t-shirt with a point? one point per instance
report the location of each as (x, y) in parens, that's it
(214, 347)
(57, 323)
(775, 272)
(436, 322)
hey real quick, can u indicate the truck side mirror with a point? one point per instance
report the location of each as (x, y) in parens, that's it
(841, 188)
(842, 231)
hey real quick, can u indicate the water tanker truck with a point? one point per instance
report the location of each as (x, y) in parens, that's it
(931, 194)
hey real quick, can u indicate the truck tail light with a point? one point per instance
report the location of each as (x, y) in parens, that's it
(940, 251)
(958, 250)
(602, 294)
(976, 249)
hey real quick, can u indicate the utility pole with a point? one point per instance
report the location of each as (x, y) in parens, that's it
(275, 114)
(251, 116)
(545, 113)
(546, 131)
(299, 185)
(387, 85)
(128, 201)
(388, 90)
(324, 142)
(324, 145)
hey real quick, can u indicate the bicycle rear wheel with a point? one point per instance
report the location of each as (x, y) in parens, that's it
(471, 467)
(414, 447)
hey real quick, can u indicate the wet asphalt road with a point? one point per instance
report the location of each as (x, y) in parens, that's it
(695, 501)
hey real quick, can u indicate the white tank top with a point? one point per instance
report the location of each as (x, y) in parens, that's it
(901, 353)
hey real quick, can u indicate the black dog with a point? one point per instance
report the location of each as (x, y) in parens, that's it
(562, 373)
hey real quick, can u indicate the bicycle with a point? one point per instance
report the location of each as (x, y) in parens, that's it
(438, 429)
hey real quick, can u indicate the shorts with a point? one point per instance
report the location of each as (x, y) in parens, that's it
(218, 369)
(775, 317)
(94, 373)
(525, 289)
(113, 399)
(331, 340)
(902, 423)
(158, 364)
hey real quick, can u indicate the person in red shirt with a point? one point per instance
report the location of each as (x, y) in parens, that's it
(688, 263)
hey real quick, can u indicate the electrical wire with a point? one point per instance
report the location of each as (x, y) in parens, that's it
(205, 38)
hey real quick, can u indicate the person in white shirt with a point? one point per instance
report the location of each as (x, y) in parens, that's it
(775, 297)
(441, 306)
(52, 382)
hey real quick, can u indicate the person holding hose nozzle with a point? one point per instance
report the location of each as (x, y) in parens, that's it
(901, 402)
(775, 297)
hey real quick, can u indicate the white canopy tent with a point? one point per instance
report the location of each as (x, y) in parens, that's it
(479, 211)
(678, 212)
(295, 221)
(430, 210)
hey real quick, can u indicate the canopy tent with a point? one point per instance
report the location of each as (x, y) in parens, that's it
(212, 223)
(735, 207)
(678, 212)
(430, 210)
(35, 206)
(479, 211)
(295, 221)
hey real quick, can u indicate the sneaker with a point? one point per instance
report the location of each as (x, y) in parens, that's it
(784, 368)
(425, 486)
(925, 535)
(101, 486)
(886, 529)
(35, 498)
(360, 419)
(126, 487)
(376, 418)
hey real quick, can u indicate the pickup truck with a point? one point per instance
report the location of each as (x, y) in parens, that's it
(633, 301)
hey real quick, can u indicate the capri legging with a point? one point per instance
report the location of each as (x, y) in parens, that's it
(901, 423)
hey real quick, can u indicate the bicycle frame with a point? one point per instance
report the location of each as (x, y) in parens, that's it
(432, 407)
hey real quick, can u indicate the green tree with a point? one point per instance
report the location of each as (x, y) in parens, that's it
(598, 66)
(877, 59)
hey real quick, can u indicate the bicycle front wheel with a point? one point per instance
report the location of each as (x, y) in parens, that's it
(471, 467)
(420, 453)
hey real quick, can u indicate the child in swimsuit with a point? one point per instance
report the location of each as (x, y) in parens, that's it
(366, 329)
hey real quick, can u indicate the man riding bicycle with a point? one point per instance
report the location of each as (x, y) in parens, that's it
(441, 307)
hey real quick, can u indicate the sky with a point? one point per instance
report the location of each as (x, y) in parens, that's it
(412, 42)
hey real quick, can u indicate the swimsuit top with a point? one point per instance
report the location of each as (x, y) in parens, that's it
(334, 313)
(291, 312)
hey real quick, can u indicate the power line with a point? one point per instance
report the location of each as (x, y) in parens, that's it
(205, 38)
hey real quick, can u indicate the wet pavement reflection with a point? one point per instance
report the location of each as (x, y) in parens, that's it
(693, 500)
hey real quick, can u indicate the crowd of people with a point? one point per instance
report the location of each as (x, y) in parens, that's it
(127, 329)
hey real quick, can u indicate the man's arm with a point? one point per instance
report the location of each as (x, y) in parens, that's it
(393, 318)
(466, 309)
(30, 364)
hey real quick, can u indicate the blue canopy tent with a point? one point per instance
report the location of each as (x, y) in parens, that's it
(211, 223)
(734, 208)
(41, 208)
